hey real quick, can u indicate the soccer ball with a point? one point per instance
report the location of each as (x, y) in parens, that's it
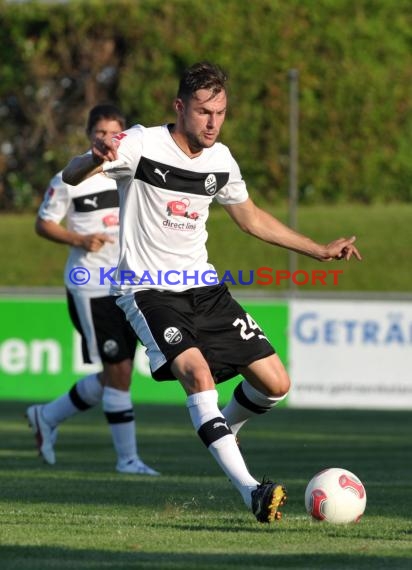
(335, 495)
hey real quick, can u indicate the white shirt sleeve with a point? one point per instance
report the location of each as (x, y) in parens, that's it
(56, 201)
(235, 191)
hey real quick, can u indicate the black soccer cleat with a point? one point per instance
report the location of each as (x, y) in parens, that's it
(266, 500)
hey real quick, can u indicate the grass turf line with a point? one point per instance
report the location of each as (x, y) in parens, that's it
(81, 514)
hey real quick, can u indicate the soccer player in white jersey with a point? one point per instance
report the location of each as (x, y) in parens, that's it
(92, 231)
(193, 329)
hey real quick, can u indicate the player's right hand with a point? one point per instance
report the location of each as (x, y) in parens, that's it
(94, 242)
(102, 150)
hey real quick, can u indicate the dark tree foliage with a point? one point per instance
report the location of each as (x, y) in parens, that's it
(355, 83)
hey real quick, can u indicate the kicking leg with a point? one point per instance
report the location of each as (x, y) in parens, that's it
(194, 374)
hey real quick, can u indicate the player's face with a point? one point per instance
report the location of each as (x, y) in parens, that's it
(202, 117)
(105, 130)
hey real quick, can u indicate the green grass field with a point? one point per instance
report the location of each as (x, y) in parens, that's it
(80, 514)
(383, 232)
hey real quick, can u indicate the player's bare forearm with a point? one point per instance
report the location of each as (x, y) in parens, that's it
(56, 233)
(59, 234)
(80, 168)
(262, 225)
(86, 165)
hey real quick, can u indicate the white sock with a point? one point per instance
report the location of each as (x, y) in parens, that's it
(247, 402)
(214, 432)
(85, 394)
(118, 407)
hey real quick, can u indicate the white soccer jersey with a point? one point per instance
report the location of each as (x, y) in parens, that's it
(164, 205)
(90, 207)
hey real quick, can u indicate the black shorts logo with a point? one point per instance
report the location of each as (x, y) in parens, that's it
(111, 348)
(172, 335)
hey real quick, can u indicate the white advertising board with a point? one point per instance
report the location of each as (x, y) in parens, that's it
(350, 354)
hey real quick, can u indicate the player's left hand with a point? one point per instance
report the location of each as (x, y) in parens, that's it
(342, 248)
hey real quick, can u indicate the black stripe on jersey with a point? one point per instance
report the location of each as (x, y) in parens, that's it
(179, 180)
(96, 201)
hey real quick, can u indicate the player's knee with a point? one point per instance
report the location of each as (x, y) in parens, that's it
(280, 384)
(196, 379)
(199, 380)
(285, 384)
(192, 370)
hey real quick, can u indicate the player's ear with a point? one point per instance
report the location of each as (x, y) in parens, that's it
(178, 106)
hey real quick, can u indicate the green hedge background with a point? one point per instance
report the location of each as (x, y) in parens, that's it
(355, 87)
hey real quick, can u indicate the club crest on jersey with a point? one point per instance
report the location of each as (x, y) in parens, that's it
(211, 184)
(172, 335)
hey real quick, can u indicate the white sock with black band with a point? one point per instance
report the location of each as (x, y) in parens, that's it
(213, 430)
(118, 408)
(247, 402)
(86, 393)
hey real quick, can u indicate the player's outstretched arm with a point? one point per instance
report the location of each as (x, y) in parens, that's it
(259, 223)
(86, 165)
(80, 168)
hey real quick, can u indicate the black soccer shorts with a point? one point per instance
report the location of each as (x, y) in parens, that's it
(208, 318)
(105, 332)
